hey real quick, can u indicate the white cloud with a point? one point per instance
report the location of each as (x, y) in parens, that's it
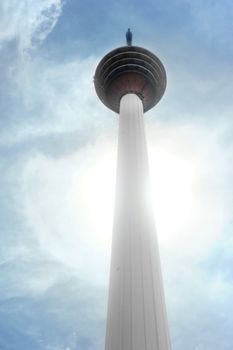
(68, 205)
(28, 21)
(55, 98)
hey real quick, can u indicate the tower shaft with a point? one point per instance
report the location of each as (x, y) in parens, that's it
(136, 309)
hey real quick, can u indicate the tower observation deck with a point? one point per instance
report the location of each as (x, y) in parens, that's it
(130, 80)
(130, 69)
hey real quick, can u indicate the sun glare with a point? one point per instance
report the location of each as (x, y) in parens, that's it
(172, 181)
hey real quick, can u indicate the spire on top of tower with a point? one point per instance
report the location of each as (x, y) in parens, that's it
(129, 37)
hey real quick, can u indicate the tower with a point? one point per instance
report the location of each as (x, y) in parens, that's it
(130, 80)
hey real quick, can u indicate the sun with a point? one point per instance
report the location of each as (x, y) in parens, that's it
(171, 180)
(172, 191)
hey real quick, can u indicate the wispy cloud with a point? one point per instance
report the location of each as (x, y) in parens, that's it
(49, 98)
(28, 22)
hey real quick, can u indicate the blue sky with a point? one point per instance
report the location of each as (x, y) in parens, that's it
(57, 162)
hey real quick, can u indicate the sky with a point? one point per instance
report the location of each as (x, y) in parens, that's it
(58, 162)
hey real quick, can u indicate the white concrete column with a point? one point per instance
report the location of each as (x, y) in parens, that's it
(136, 309)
